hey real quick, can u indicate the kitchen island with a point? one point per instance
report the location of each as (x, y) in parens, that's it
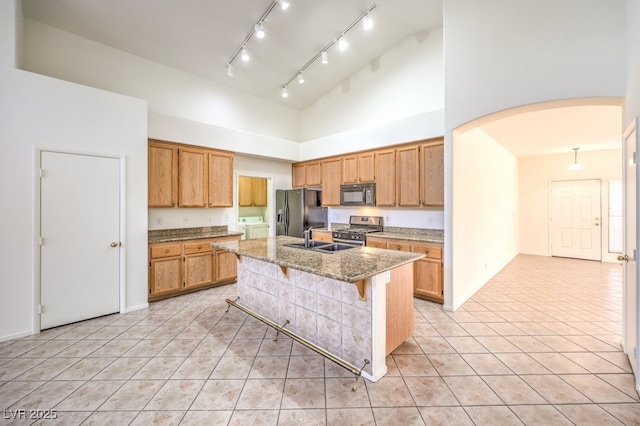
(355, 304)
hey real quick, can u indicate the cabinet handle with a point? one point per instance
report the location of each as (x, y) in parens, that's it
(166, 250)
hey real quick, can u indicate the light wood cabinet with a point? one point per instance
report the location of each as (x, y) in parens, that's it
(322, 235)
(176, 268)
(220, 179)
(331, 180)
(367, 167)
(385, 170)
(306, 174)
(350, 169)
(432, 173)
(162, 174)
(252, 192)
(358, 168)
(192, 177)
(408, 176)
(427, 272)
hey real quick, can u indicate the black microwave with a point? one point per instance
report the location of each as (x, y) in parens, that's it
(358, 194)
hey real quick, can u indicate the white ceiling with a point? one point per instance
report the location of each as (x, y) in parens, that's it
(200, 36)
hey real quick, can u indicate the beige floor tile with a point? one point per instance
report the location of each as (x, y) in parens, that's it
(497, 344)
(181, 347)
(243, 347)
(110, 418)
(593, 363)
(114, 348)
(521, 363)
(331, 369)
(147, 348)
(137, 332)
(466, 345)
(408, 347)
(15, 367)
(302, 417)
(281, 347)
(122, 369)
(450, 329)
(512, 390)
(232, 367)
(445, 416)
(165, 332)
(206, 418)
(48, 369)
(596, 389)
(451, 365)
(224, 332)
(540, 415)
(48, 395)
(269, 367)
(90, 395)
(350, 416)
(134, 395)
(424, 329)
(159, 368)
(554, 389)
(486, 364)
(414, 365)
(623, 382)
(528, 344)
(560, 343)
(254, 418)
(64, 418)
(493, 415)
(588, 415)
(558, 363)
(48, 349)
(619, 359)
(472, 390)
(434, 345)
(340, 394)
(398, 416)
(175, 395)
(261, 394)
(14, 391)
(389, 392)
(211, 346)
(218, 395)
(628, 414)
(196, 368)
(303, 394)
(591, 343)
(430, 391)
(146, 418)
(306, 366)
(85, 369)
(81, 348)
(478, 329)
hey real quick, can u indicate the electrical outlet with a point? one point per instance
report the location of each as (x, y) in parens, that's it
(185, 220)
(387, 219)
(209, 219)
(159, 220)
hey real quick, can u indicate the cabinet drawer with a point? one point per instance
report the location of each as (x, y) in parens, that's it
(166, 250)
(198, 247)
(399, 246)
(429, 251)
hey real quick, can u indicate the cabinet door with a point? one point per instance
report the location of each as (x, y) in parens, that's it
(298, 175)
(427, 279)
(162, 175)
(198, 269)
(313, 175)
(350, 169)
(165, 276)
(220, 179)
(331, 179)
(399, 246)
(226, 266)
(377, 243)
(193, 177)
(245, 191)
(260, 192)
(408, 175)
(432, 174)
(386, 177)
(366, 167)
(325, 236)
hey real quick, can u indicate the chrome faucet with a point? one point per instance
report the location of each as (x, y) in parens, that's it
(307, 234)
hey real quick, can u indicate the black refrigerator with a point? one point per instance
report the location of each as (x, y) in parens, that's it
(297, 210)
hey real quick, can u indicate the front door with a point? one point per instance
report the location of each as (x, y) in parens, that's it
(630, 308)
(79, 228)
(575, 219)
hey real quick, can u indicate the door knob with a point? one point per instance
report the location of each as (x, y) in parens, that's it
(624, 258)
(114, 244)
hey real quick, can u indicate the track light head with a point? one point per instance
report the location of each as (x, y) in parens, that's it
(258, 29)
(284, 92)
(244, 55)
(367, 22)
(325, 57)
(230, 70)
(284, 4)
(300, 78)
(342, 43)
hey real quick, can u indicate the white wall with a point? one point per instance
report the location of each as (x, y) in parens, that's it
(427, 217)
(632, 102)
(168, 91)
(485, 213)
(403, 82)
(38, 112)
(536, 174)
(501, 54)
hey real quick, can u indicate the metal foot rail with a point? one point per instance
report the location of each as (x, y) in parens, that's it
(280, 329)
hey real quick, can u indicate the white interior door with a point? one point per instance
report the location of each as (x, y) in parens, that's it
(575, 219)
(630, 281)
(80, 228)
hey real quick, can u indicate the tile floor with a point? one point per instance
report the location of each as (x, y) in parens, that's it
(538, 345)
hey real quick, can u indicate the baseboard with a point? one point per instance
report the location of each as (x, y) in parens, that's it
(137, 308)
(15, 336)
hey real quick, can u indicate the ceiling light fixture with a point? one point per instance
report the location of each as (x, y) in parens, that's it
(284, 92)
(230, 70)
(284, 4)
(367, 22)
(323, 54)
(258, 30)
(575, 165)
(300, 78)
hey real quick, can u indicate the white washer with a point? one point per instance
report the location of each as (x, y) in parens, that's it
(253, 227)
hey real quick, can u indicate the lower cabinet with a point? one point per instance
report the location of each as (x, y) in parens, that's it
(176, 268)
(427, 272)
(322, 235)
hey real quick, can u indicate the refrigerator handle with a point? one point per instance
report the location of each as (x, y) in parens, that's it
(286, 214)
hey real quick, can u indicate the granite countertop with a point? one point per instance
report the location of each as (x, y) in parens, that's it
(183, 234)
(348, 265)
(412, 234)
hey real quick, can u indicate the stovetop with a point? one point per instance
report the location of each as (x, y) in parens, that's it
(359, 226)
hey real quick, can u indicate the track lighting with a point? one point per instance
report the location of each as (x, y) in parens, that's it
(230, 70)
(284, 4)
(575, 165)
(245, 55)
(323, 54)
(342, 43)
(259, 30)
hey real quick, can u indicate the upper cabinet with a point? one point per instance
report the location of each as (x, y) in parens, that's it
(385, 170)
(358, 168)
(432, 173)
(186, 176)
(252, 192)
(331, 180)
(306, 174)
(408, 176)
(163, 174)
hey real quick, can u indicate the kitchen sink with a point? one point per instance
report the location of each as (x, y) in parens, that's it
(321, 246)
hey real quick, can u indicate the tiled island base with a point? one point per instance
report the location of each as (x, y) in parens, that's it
(327, 312)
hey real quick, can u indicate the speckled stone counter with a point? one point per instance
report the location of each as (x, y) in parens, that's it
(412, 234)
(348, 265)
(183, 234)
